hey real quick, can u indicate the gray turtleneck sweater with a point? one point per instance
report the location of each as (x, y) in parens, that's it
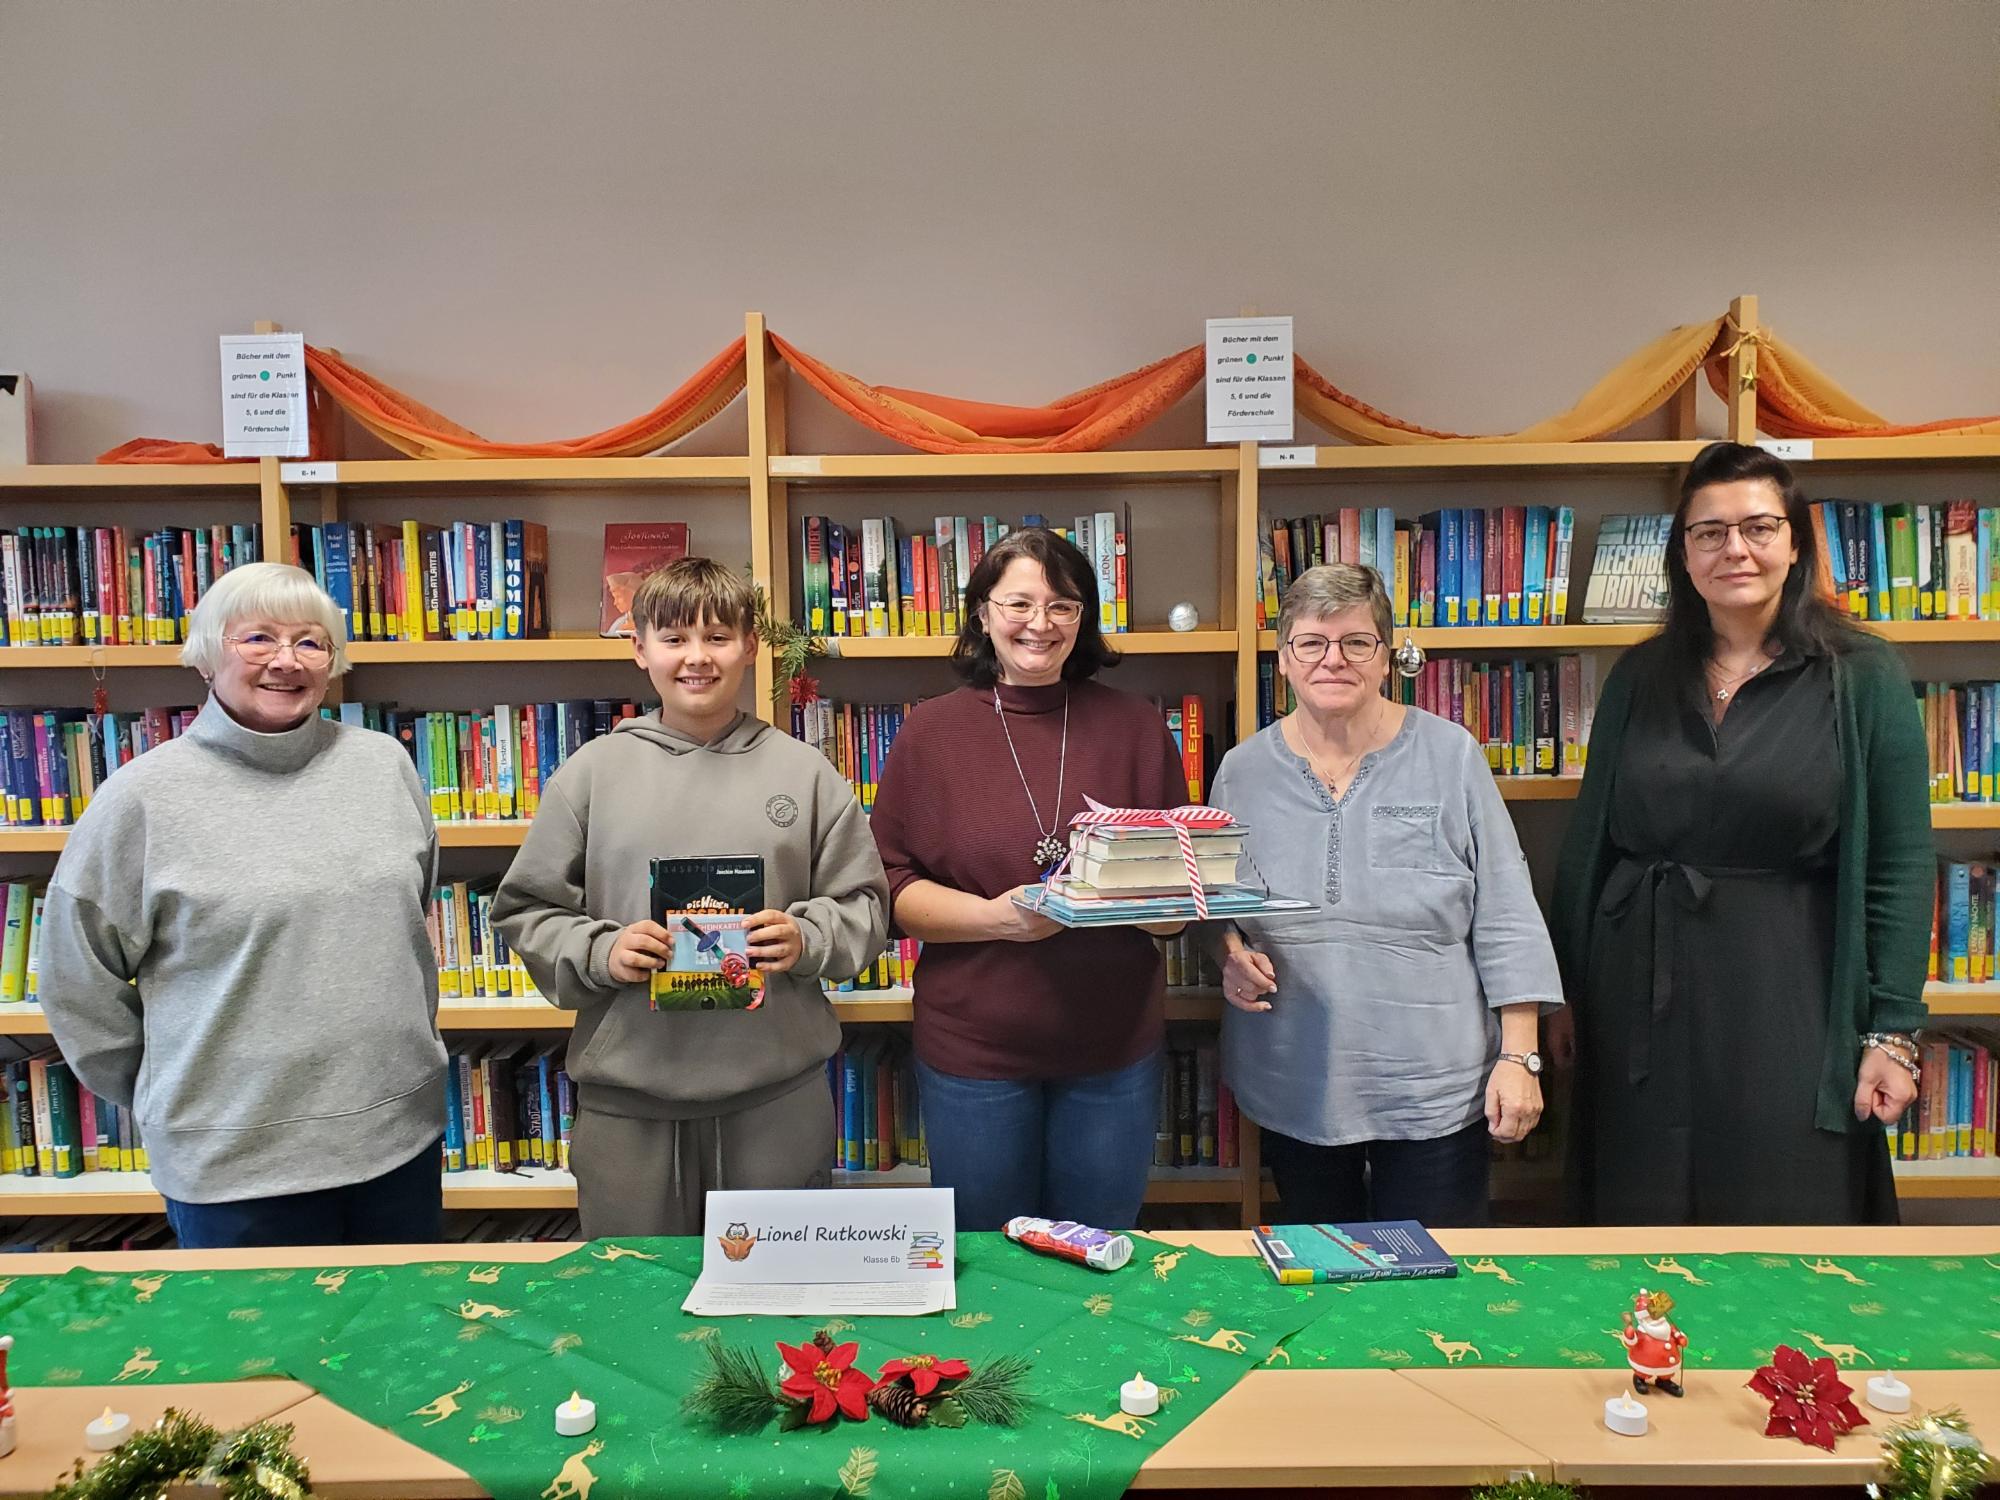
(234, 947)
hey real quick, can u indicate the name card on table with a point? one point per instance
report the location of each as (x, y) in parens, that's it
(847, 1250)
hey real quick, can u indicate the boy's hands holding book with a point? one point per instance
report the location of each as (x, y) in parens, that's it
(776, 943)
(638, 951)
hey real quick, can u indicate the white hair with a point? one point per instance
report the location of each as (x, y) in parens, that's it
(277, 592)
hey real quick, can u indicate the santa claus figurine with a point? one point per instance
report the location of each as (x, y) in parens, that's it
(1653, 1346)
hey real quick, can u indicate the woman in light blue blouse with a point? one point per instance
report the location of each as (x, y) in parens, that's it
(1379, 1040)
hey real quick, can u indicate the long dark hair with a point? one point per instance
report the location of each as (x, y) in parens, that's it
(1806, 622)
(1069, 573)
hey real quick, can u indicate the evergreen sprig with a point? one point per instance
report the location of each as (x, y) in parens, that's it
(996, 1392)
(734, 1392)
(791, 647)
(1527, 1489)
(1932, 1456)
(253, 1463)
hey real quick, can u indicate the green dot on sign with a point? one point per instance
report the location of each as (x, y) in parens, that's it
(1249, 359)
(263, 374)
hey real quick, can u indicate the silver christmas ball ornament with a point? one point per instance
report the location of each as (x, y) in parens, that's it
(1183, 616)
(1409, 657)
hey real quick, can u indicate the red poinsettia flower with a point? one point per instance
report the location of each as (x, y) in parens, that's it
(1809, 1400)
(925, 1371)
(805, 689)
(827, 1380)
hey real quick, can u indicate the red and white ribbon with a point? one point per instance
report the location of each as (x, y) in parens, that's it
(1180, 819)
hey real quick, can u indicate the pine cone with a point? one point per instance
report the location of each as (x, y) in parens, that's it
(822, 1341)
(899, 1403)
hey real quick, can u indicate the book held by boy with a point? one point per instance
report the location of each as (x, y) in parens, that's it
(706, 903)
(1397, 1249)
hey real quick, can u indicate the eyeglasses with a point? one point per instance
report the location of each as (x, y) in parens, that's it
(1021, 611)
(1757, 532)
(1357, 648)
(260, 650)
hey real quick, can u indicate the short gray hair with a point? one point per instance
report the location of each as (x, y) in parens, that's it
(277, 592)
(1330, 588)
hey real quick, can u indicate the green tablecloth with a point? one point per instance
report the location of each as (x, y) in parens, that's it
(469, 1361)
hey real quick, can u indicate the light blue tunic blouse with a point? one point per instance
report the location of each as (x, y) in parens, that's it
(1382, 1027)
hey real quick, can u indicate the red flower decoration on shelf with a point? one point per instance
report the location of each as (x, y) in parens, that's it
(925, 1371)
(1809, 1400)
(805, 690)
(827, 1380)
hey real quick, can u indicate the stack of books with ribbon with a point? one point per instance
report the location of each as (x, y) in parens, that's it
(1129, 865)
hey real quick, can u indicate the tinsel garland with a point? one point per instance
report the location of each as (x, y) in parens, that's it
(253, 1463)
(1934, 1457)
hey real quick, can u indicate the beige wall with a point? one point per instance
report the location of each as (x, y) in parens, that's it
(539, 217)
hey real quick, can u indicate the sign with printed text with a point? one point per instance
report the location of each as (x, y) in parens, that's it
(845, 1250)
(264, 395)
(1249, 380)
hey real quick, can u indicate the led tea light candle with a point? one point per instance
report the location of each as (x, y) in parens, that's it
(102, 1434)
(1625, 1416)
(1138, 1397)
(575, 1416)
(1887, 1393)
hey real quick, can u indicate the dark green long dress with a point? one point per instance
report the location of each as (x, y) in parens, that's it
(1710, 969)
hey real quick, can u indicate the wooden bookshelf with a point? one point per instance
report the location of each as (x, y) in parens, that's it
(533, 1013)
(1963, 999)
(765, 476)
(531, 1188)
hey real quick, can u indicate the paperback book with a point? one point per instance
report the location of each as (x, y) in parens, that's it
(630, 553)
(1398, 1249)
(706, 903)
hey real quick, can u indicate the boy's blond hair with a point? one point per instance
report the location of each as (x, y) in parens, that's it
(692, 590)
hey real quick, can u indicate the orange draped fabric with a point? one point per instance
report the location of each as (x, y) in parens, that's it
(166, 451)
(413, 428)
(1080, 423)
(1796, 400)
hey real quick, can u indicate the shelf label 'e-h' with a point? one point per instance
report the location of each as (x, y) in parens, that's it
(264, 395)
(1249, 380)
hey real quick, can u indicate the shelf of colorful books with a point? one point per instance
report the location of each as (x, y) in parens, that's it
(1955, 1177)
(1140, 642)
(101, 477)
(477, 473)
(566, 647)
(1507, 637)
(1965, 815)
(1963, 999)
(1165, 464)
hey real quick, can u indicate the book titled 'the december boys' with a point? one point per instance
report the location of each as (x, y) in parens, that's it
(1397, 1249)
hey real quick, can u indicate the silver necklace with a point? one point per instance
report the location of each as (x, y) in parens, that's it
(1048, 849)
(1728, 683)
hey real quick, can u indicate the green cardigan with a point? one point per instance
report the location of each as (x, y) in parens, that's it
(1887, 868)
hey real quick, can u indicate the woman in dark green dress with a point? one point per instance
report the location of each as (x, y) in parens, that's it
(1744, 901)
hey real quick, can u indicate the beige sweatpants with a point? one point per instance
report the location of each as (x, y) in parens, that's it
(648, 1177)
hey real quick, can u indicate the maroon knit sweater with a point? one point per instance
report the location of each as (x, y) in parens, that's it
(951, 809)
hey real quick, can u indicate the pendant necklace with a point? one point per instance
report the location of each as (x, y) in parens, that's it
(1049, 849)
(1729, 684)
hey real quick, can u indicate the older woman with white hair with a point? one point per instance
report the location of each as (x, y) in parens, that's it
(234, 946)
(1380, 1040)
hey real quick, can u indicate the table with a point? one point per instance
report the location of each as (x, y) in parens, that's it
(1308, 1429)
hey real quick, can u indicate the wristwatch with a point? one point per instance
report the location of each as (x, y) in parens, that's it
(1532, 1061)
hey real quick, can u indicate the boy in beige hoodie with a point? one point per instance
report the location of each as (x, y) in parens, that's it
(673, 1103)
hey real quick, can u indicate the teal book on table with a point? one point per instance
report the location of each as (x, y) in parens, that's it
(1397, 1249)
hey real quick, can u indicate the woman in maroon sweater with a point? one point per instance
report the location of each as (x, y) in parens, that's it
(1039, 1050)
